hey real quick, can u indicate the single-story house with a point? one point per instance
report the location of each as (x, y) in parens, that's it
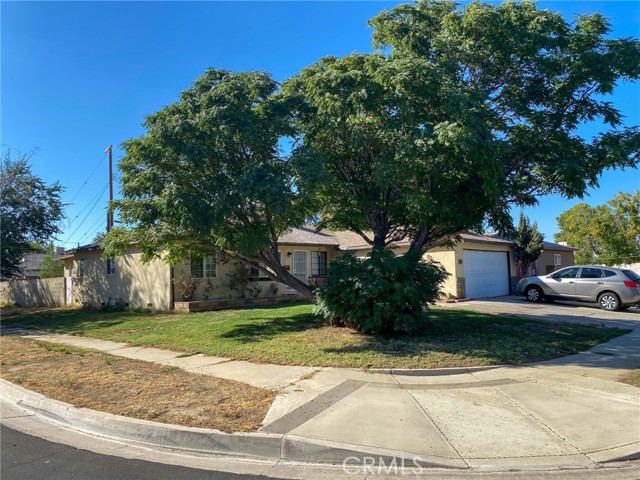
(554, 257)
(30, 265)
(479, 266)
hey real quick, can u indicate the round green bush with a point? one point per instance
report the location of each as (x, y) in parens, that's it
(381, 293)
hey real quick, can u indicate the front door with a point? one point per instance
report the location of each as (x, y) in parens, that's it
(300, 266)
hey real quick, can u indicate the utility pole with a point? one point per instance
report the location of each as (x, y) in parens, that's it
(110, 213)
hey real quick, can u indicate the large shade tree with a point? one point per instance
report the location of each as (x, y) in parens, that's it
(463, 113)
(29, 211)
(608, 233)
(208, 176)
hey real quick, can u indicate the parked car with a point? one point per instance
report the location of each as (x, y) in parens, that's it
(611, 288)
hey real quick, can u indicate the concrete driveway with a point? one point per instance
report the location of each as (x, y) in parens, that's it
(558, 311)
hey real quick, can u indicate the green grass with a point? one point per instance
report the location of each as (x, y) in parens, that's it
(293, 335)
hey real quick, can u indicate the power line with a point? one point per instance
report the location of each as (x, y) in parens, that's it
(88, 213)
(85, 207)
(92, 229)
(88, 178)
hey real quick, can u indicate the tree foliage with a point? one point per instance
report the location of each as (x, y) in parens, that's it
(606, 234)
(382, 293)
(29, 211)
(529, 243)
(50, 267)
(461, 114)
(209, 175)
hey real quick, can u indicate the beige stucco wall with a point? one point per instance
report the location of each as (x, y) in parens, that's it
(133, 283)
(41, 292)
(452, 259)
(546, 261)
(447, 257)
(216, 288)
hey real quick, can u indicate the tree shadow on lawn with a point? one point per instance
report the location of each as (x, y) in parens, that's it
(258, 328)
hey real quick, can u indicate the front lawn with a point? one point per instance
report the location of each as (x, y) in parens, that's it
(292, 335)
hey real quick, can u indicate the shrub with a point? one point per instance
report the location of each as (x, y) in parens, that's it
(187, 287)
(241, 281)
(381, 293)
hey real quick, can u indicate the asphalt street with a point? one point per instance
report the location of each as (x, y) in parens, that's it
(24, 457)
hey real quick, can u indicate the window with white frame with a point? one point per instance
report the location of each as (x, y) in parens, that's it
(557, 259)
(206, 267)
(111, 266)
(82, 267)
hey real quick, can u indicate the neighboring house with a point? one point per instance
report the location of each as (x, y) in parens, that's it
(30, 265)
(554, 257)
(479, 266)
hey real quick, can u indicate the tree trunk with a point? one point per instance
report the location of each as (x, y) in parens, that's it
(275, 271)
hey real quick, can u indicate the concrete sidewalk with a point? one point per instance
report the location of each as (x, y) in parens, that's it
(566, 413)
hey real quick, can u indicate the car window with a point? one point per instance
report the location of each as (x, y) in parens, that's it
(591, 273)
(609, 273)
(567, 273)
(632, 275)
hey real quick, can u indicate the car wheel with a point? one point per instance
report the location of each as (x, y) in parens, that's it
(534, 294)
(609, 301)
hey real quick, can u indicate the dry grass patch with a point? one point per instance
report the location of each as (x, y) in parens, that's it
(633, 378)
(133, 388)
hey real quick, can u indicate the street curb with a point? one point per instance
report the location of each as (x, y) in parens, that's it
(118, 427)
(432, 372)
(253, 445)
(265, 446)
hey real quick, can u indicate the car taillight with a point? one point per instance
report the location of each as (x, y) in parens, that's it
(630, 284)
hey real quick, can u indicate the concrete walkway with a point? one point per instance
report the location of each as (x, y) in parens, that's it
(565, 413)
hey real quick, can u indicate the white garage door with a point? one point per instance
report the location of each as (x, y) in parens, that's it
(486, 274)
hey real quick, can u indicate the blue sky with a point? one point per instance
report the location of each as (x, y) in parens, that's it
(79, 76)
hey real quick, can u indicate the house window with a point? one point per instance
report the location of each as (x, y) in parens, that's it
(557, 259)
(206, 267)
(318, 264)
(82, 267)
(257, 274)
(254, 273)
(111, 266)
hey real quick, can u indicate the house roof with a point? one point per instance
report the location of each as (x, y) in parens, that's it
(352, 241)
(81, 248)
(557, 246)
(308, 235)
(347, 240)
(545, 245)
(31, 262)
